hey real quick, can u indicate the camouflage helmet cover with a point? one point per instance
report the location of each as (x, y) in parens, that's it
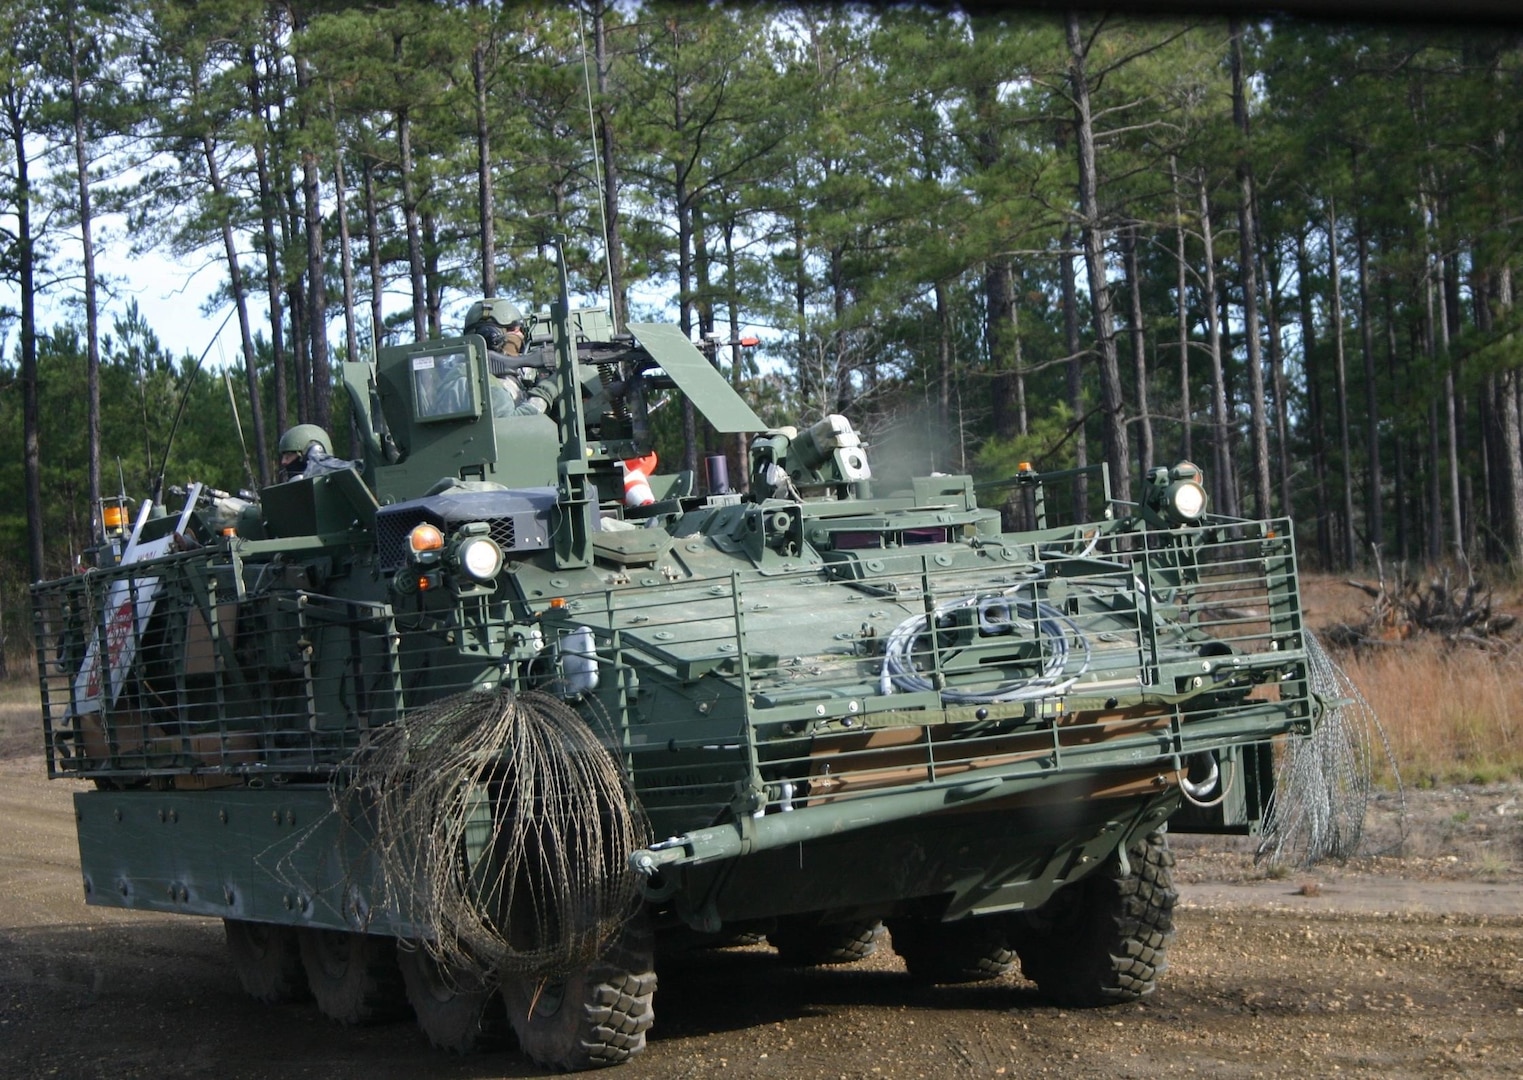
(297, 439)
(503, 313)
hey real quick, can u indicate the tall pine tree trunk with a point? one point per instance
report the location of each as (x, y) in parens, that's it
(703, 301)
(742, 445)
(844, 392)
(1113, 417)
(1221, 427)
(1182, 307)
(685, 315)
(1315, 414)
(1374, 516)
(999, 331)
(1335, 282)
(24, 252)
(373, 251)
(1139, 352)
(1398, 445)
(240, 303)
(1277, 381)
(1447, 303)
(345, 259)
(943, 362)
(1435, 484)
(410, 217)
(1075, 367)
(317, 289)
(296, 302)
(268, 211)
(1248, 257)
(486, 209)
(87, 257)
(433, 280)
(1511, 462)
(800, 304)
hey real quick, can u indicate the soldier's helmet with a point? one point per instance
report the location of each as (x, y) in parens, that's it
(498, 312)
(297, 439)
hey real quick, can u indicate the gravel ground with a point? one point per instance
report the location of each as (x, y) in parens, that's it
(1404, 964)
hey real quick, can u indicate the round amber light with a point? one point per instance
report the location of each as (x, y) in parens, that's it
(425, 537)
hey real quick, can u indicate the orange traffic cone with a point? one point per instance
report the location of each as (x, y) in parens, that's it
(637, 473)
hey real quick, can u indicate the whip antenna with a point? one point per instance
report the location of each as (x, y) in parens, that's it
(158, 481)
(597, 168)
(248, 466)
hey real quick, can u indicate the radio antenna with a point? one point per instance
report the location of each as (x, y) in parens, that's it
(248, 466)
(597, 166)
(158, 481)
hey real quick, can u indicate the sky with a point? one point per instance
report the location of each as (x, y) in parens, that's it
(172, 296)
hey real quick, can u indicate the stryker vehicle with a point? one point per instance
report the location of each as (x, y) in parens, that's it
(831, 708)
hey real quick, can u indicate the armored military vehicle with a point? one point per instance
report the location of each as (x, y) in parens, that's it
(458, 726)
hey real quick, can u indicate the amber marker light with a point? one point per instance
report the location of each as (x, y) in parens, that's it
(425, 537)
(557, 602)
(113, 517)
(422, 582)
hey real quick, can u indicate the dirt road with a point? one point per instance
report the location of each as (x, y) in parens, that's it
(1393, 967)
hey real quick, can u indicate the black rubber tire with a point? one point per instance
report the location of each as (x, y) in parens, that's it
(1104, 939)
(267, 958)
(590, 1018)
(354, 977)
(968, 950)
(802, 942)
(740, 934)
(457, 1011)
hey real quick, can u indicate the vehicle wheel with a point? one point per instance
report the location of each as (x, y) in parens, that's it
(354, 977)
(1104, 939)
(739, 939)
(801, 942)
(592, 1017)
(969, 950)
(681, 940)
(267, 959)
(455, 1009)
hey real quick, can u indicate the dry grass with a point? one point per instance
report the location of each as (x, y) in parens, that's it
(1449, 713)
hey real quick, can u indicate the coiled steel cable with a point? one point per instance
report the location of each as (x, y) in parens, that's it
(1058, 632)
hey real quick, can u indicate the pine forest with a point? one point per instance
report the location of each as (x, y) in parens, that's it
(1280, 248)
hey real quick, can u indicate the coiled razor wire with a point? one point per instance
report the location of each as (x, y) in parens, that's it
(503, 827)
(1059, 633)
(1323, 781)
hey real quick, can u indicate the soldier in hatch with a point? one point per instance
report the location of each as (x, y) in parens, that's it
(500, 324)
(300, 446)
(306, 450)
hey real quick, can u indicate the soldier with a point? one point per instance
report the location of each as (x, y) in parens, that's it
(301, 446)
(500, 323)
(501, 326)
(306, 450)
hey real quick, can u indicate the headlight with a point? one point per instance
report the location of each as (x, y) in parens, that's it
(481, 558)
(1178, 495)
(1187, 499)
